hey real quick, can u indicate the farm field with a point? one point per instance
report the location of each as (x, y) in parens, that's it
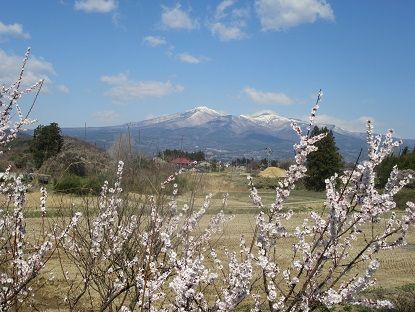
(397, 267)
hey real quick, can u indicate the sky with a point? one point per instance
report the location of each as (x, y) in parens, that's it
(111, 62)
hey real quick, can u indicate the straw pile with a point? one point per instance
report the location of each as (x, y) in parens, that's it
(272, 172)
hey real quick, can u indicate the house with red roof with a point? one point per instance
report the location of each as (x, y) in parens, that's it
(182, 161)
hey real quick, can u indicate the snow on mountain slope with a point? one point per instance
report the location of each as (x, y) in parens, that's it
(269, 120)
(208, 129)
(194, 117)
(197, 117)
(266, 122)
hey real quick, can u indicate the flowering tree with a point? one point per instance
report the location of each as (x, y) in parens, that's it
(323, 253)
(156, 255)
(20, 261)
(154, 258)
(128, 260)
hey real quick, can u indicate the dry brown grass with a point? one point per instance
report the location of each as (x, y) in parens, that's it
(397, 266)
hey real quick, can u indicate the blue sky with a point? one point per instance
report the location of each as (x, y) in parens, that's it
(109, 62)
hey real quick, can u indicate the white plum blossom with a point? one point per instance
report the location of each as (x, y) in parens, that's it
(162, 253)
(21, 260)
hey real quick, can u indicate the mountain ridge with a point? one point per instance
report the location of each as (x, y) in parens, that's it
(220, 135)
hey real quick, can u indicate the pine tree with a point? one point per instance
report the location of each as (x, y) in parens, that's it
(324, 162)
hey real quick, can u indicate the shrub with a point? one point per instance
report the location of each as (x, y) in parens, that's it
(73, 184)
(266, 183)
(405, 161)
(77, 168)
(405, 195)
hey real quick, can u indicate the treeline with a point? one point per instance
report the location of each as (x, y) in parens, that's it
(254, 162)
(169, 155)
(405, 160)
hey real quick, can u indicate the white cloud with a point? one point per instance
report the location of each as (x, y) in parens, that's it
(122, 89)
(106, 116)
(283, 14)
(116, 19)
(264, 111)
(228, 23)
(36, 69)
(222, 8)
(190, 59)
(241, 13)
(268, 97)
(62, 88)
(227, 33)
(176, 18)
(154, 41)
(13, 30)
(96, 6)
(170, 50)
(358, 124)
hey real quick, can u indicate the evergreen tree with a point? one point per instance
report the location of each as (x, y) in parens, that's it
(324, 162)
(47, 142)
(405, 161)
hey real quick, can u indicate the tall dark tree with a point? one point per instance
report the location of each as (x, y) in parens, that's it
(405, 161)
(324, 162)
(47, 142)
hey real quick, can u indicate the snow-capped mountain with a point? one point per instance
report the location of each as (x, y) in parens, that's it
(195, 117)
(269, 120)
(205, 117)
(219, 135)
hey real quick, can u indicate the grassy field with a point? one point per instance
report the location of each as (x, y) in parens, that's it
(397, 267)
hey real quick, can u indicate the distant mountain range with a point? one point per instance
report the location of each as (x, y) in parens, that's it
(218, 135)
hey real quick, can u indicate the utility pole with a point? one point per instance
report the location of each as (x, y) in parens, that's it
(129, 139)
(85, 139)
(139, 153)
